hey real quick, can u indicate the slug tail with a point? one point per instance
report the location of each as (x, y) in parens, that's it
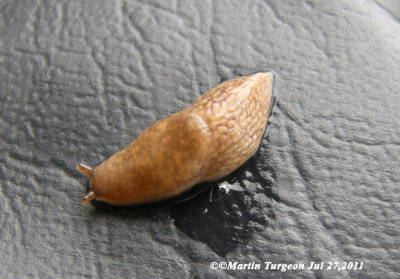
(85, 169)
(88, 197)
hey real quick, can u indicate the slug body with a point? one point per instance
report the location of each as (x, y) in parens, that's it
(205, 141)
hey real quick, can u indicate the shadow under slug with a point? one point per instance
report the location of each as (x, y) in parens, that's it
(223, 214)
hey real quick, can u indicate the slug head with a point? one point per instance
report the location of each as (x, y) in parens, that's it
(166, 159)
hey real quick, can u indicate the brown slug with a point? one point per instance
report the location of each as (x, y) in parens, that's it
(209, 139)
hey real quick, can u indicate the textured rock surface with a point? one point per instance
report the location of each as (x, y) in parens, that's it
(81, 79)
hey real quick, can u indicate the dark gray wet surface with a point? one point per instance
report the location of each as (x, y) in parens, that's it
(81, 80)
(237, 207)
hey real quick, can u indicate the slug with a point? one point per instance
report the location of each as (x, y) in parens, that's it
(207, 140)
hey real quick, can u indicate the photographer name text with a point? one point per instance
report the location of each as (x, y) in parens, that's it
(283, 267)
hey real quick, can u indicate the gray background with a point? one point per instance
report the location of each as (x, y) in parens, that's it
(80, 79)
